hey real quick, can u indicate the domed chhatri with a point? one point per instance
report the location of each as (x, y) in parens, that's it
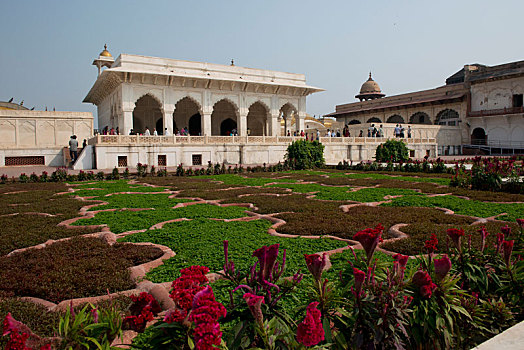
(370, 90)
(105, 53)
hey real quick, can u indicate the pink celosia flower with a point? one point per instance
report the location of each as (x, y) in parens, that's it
(317, 264)
(267, 257)
(369, 239)
(360, 276)
(483, 235)
(442, 266)
(254, 302)
(94, 313)
(455, 235)
(500, 239)
(508, 248)
(310, 332)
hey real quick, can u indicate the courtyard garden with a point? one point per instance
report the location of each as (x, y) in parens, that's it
(272, 259)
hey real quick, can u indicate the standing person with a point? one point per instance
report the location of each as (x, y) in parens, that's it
(409, 131)
(361, 134)
(401, 131)
(117, 131)
(147, 132)
(73, 148)
(318, 134)
(84, 144)
(380, 131)
(302, 133)
(397, 131)
(155, 133)
(166, 132)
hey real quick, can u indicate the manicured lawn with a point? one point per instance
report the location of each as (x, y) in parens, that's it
(125, 220)
(200, 242)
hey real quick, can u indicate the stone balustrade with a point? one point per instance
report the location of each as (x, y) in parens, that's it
(210, 140)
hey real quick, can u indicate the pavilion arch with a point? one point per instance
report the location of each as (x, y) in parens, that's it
(479, 136)
(257, 119)
(447, 117)
(187, 115)
(354, 121)
(224, 119)
(395, 119)
(147, 112)
(419, 118)
(374, 120)
(288, 111)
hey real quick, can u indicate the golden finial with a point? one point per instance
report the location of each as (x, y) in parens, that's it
(232, 62)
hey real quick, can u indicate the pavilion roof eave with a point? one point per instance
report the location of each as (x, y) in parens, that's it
(105, 77)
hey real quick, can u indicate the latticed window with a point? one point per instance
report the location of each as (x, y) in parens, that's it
(122, 161)
(448, 117)
(27, 160)
(162, 160)
(196, 159)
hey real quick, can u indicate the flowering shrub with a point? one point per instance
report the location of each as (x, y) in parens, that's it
(143, 310)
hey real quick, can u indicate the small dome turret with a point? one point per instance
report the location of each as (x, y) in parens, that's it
(370, 90)
(105, 53)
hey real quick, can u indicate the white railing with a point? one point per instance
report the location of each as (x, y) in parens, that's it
(172, 140)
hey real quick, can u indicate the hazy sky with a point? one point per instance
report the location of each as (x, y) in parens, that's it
(47, 46)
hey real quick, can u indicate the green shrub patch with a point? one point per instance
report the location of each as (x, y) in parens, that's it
(157, 201)
(101, 188)
(200, 242)
(125, 220)
(80, 267)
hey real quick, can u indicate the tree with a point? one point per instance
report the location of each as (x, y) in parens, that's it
(392, 150)
(304, 154)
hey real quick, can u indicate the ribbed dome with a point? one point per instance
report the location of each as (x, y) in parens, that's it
(105, 53)
(370, 90)
(370, 86)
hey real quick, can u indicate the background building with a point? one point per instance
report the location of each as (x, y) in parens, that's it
(480, 109)
(30, 137)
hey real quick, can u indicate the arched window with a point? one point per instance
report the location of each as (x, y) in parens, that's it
(479, 137)
(395, 119)
(354, 121)
(374, 120)
(419, 118)
(448, 117)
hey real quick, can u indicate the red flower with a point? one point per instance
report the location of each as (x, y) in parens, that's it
(267, 257)
(421, 278)
(431, 244)
(144, 309)
(401, 259)
(508, 248)
(500, 239)
(455, 235)
(506, 230)
(520, 222)
(310, 332)
(360, 276)
(427, 290)
(205, 314)
(369, 239)
(442, 266)
(184, 290)
(317, 264)
(254, 302)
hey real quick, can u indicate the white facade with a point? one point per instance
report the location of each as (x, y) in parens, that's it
(158, 93)
(38, 137)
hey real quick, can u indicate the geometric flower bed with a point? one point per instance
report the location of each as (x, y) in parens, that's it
(193, 217)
